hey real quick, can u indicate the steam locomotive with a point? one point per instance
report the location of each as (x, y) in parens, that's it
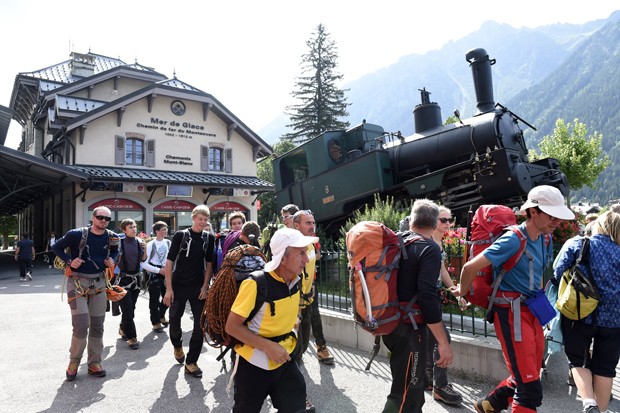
(482, 159)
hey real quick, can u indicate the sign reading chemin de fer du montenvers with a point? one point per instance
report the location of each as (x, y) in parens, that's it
(175, 128)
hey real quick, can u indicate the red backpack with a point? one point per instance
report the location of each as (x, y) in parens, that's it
(489, 223)
(374, 253)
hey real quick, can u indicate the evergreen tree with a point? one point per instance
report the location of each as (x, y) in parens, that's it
(265, 172)
(320, 101)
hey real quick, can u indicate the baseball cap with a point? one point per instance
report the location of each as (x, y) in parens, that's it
(281, 240)
(548, 199)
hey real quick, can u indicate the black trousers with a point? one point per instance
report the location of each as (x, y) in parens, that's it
(25, 265)
(407, 363)
(157, 290)
(181, 296)
(128, 309)
(285, 385)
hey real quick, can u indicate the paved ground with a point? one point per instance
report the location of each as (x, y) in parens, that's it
(34, 342)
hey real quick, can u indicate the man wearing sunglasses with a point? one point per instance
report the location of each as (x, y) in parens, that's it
(92, 250)
(518, 329)
(287, 215)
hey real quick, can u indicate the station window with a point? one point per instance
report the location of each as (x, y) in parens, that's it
(216, 159)
(134, 151)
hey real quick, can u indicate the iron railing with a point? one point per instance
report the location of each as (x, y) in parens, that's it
(333, 293)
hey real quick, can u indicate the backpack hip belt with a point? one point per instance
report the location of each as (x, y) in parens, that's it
(94, 279)
(512, 300)
(135, 278)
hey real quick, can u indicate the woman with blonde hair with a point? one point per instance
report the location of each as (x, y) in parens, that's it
(594, 371)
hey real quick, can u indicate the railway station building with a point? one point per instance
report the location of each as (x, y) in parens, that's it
(98, 131)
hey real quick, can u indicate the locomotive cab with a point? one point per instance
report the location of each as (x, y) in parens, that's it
(304, 175)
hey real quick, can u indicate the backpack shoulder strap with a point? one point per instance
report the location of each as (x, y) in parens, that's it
(184, 240)
(153, 250)
(85, 231)
(261, 294)
(509, 265)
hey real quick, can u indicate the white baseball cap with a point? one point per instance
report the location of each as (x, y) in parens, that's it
(548, 199)
(281, 240)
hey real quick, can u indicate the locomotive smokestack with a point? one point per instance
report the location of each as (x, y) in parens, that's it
(426, 115)
(483, 80)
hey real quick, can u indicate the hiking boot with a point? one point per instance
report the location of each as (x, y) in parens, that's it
(122, 334)
(193, 370)
(96, 370)
(447, 395)
(72, 370)
(158, 328)
(309, 407)
(323, 355)
(484, 406)
(179, 355)
(29, 276)
(133, 343)
(591, 409)
(164, 322)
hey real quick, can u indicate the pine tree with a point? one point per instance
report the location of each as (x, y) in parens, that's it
(321, 103)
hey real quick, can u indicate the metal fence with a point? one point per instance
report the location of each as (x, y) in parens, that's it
(333, 293)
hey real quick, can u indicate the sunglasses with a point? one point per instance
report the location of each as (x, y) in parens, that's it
(286, 217)
(302, 212)
(103, 218)
(445, 220)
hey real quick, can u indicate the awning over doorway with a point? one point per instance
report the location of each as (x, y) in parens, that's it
(25, 178)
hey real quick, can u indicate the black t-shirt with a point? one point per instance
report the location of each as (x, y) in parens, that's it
(131, 255)
(418, 275)
(193, 256)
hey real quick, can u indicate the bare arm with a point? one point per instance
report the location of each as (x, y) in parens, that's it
(445, 276)
(169, 296)
(236, 328)
(468, 273)
(207, 279)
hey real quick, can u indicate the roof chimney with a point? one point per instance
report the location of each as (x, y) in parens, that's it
(82, 65)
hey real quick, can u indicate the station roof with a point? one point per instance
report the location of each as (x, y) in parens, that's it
(154, 177)
(25, 178)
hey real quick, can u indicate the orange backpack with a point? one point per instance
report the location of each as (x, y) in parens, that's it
(374, 252)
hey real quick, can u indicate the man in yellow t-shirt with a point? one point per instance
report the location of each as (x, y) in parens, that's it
(264, 363)
(303, 220)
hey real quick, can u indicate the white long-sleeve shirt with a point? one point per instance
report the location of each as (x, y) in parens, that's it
(156, 253)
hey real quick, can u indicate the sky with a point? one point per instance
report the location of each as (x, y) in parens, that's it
(247, 53)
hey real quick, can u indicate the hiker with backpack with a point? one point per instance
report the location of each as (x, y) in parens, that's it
(303, 221)
(249, 234)
(593, 372)
(188, 273)
(417, 281)
(155, 266)
(264, 363)
(132, 253)
(518, 307)
(435, 377)
(93, 249)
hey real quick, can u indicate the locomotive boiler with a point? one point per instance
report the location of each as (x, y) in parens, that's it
(482, 159)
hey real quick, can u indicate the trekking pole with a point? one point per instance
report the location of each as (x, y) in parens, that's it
(470, 217)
